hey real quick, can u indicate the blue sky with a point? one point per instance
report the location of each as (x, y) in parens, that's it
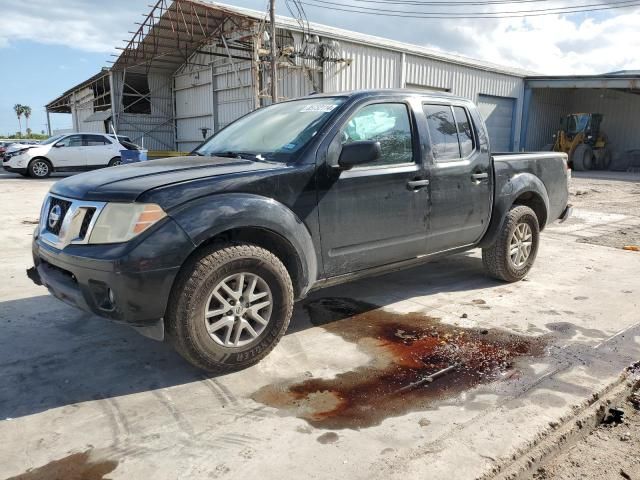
(47, 47)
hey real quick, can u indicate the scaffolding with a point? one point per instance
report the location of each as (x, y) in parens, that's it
(180, 45)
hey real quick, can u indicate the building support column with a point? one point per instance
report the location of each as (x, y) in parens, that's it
(524, 124)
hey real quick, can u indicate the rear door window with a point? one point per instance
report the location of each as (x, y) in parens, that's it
(465, 134)
(443, 132)
(95, 140)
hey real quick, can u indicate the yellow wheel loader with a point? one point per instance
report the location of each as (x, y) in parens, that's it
(580, 138)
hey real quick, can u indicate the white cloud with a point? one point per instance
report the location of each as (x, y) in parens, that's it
(92, 26)
(557, 45)
(589, 43)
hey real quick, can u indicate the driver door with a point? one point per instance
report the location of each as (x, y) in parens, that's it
(375, 213)
(68, 153)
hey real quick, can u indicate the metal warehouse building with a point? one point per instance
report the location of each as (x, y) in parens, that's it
(193, 67)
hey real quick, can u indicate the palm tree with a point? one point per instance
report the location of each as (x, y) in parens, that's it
(26, 111)
(19, 111)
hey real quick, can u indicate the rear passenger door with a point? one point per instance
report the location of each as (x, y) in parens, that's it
(373, 214)
(98, 150)
(461, 178)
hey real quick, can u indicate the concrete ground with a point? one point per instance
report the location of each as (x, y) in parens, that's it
(343, 395)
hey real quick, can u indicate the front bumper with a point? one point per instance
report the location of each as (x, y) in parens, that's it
(129, 282)
(11, 169)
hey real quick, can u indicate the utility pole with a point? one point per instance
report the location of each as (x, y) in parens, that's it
(274, 52)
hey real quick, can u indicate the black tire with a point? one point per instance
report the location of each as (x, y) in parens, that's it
(497, 258)
(185, 320)
(40, 168)
(114, 162)
(606, 158)
(582, 158)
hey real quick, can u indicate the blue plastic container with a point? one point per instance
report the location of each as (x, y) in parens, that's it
(133, 156)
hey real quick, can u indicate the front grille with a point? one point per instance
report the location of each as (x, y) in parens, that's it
(86, 221)
(77, 216)
(64, 208)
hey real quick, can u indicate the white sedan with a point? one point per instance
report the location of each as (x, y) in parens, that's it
(64, 153)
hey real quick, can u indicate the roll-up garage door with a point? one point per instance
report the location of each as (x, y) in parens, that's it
(498, 114)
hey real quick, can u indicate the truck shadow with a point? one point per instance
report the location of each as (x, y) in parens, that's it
(52, 355)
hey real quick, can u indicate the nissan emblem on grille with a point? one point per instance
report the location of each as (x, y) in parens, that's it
(54, 216)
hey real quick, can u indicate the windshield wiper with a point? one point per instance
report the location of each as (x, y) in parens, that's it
(198, 154)
(242, 155)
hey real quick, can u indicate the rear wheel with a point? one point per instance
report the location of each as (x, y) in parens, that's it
(512, 255)
(229, 308)
(39, 168)
(115, 161)
(582, 158)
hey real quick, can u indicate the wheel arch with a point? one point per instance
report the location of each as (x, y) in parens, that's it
(236, 218)
(41, 157)
(521, 189)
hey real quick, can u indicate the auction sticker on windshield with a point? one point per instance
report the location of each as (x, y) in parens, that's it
(322, 107)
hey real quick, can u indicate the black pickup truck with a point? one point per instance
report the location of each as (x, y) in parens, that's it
(211, 250)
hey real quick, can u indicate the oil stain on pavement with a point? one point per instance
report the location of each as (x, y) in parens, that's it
(415, 360)
(77, 466)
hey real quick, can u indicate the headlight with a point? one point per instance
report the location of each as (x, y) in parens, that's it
(120, 222)
(16, 153)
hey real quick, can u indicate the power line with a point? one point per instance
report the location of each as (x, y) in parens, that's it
(448, 3)
(472, 15)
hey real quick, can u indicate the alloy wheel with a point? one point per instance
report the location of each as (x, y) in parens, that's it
(238, 310)
(520, 245)
(40, 168)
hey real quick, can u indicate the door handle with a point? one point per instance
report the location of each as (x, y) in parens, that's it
(416, 184)
(480, 176)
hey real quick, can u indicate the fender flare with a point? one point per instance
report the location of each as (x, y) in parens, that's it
(206, 217)
(504, 199)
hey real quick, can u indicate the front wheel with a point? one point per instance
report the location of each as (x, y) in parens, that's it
(229, 308)
(39, 168)
(114, 162)
(512, 255)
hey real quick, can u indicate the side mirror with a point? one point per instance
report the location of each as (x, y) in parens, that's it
(58, 145)
(359, 153)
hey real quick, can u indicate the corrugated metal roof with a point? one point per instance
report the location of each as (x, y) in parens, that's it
(356, 37)
(102, 73)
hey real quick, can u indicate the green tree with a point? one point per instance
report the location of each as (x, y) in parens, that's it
(26, 111)
(18, 109)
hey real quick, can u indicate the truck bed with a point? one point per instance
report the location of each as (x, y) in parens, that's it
(549, 167)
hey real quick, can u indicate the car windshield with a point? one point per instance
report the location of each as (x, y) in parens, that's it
(273, 133)
(51, 139)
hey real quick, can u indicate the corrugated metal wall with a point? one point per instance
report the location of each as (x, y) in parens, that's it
(621, 112)
(369, 67)
(233, 92)
(548, 105)
(155, 130)
(194, 107)
(81, 109)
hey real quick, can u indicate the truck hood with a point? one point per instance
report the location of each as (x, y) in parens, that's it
(127, 182)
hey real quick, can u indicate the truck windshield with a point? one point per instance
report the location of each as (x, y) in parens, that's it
(274, 133)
